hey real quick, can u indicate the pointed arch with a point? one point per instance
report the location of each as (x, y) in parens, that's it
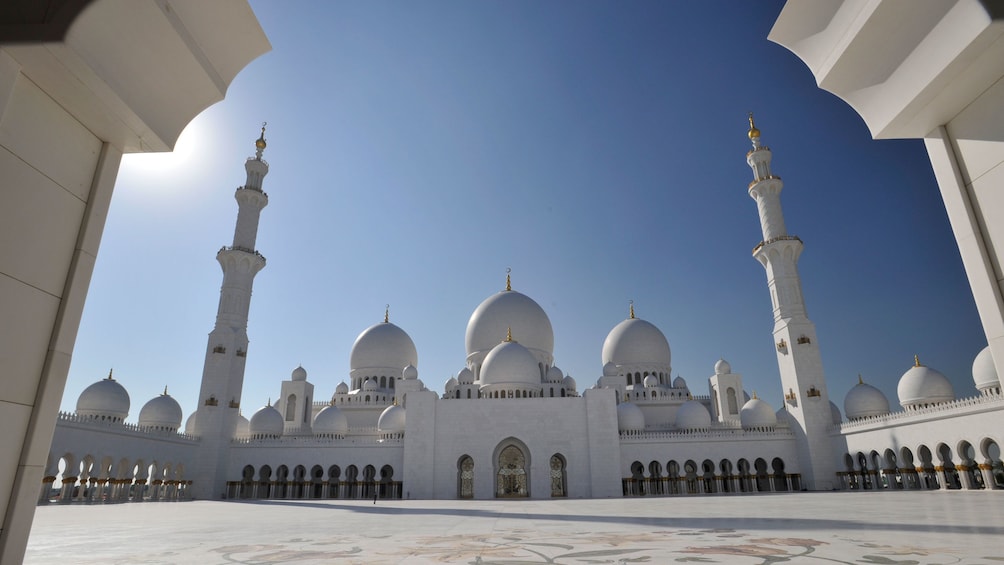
(512, 469)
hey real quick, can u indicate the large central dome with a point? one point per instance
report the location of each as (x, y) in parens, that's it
(635, 341)
(505, 311)
(383, 345)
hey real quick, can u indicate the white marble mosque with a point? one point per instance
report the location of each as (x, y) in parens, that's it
(634, 431)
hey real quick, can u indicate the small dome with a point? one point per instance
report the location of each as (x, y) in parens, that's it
(984, 371)
(510, 363)
(190, 423)
(452, 383)
(299, 374)
(692, 415)
(243, 427)
(679, 382)
(161, 412)
(757, 414)
(342, 388)
(511, 310)
(722, 367)
(835, 414)
(331, 420)
(568, 383)
(370, 385)
(466, 376)
(383, 346)
(609, 370)
(105, 398)
(864, 401)
(651, 381)
(630, 418)
(922, 385)
(635, 341)
(554, 375)
(392, 420)
(410, 373)
(266, 422)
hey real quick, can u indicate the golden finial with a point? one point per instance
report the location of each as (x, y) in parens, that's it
(860, 380)
(110, 375)
(754, 395)
(916, 361)
(386, 314)
(753, 131)
(508, 280)
(269, 403)
(165, 391)
(508, 335)
(631, 308)
(260, 142)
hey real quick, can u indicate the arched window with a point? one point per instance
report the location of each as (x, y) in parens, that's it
(465, 477)
(511, 475)
(733, 404)
(291, 408)
(558, 487)
(306, 410)
(383, 382)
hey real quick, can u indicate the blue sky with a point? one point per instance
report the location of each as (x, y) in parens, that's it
(418, 149)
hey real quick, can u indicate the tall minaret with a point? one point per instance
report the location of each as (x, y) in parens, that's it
(226, 350)
(798, 358)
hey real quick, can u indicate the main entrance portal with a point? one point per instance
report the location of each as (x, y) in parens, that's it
(511, 478)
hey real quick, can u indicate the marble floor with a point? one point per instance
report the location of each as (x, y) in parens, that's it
(903, 528)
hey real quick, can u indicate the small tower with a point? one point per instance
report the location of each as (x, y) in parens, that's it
(226, 350)
(797, 349)
(296, 404)
(726, 393)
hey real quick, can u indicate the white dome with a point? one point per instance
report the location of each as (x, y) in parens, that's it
(554, 375)
(510, 310)
(510, 363)
(834, 414)
(923, 385)
(466, 376)
(630, 418)
(864, 401)
(651, 381)
(331, 420)
(161, 412)
(370, 385)
(392, 420)
(635, 341)
(243, 426)
(383, 346)
(680, 382)
(342, 388)
(609, 370)
(984, 371)
(568, 383)
(692, 415)
(452, 383)
(299, 374)
(410, 373)
(757, 414)
(105, 398)
(190, 423)
(722, 367)
(266, 422)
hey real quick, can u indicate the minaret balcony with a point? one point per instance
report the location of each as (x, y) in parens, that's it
(759, 148)
(760, 245)
(253, 188)
(238, 248)
(768, 177)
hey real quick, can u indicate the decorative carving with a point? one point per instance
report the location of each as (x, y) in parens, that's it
(813, 392)
(782, 346)
(234, 404)
(242, 353)
(211, 401)
(804, 340)
(219, 349)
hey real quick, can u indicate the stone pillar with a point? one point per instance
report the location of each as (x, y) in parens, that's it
(966, 478)
(43, 495)
(988, 476)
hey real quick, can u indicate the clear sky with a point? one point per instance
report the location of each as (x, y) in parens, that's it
(418, 149)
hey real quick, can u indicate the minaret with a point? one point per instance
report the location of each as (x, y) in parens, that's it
(226, 350)
(798, 358)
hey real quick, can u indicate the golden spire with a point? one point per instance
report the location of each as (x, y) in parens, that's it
(165, 391)
(916, 361)
(754, 395)
(269, 403)
(860, 380)
(753, 131)
(110, 375)
(631, 308)
(260, 142)
(386, 314)
(508, 280)
(508, 335)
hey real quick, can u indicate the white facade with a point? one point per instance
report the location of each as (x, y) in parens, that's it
(511, 425)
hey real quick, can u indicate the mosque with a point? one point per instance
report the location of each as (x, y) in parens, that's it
(512, 425)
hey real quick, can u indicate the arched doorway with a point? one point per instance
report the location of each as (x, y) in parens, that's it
(512, 479)
(465, 477)
(558, 486)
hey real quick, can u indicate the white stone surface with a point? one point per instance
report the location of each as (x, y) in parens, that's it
(902, 527)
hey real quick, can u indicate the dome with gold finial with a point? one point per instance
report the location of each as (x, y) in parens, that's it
(922, 385)
(509, 309)
(260, 142)
(753, 132)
